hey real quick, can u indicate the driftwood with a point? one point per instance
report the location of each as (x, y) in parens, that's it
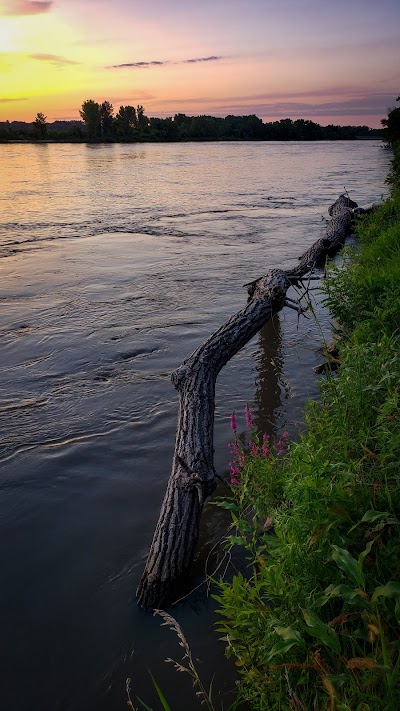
(193, 476)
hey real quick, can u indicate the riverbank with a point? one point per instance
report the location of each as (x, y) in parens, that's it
(315, 621)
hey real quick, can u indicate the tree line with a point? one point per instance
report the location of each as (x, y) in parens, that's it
(130, 124)
(391, 125)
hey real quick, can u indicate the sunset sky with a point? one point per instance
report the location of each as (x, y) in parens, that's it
(331, 62)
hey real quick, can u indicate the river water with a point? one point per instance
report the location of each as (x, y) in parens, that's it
(117, 261)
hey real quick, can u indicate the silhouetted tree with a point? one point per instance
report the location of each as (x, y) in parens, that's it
(142, 119)
(40, 125)
(90, 114)
(203, 128)
(106, 120)
(126, 121)
(391, 130)
(164, 130)
(181, 119)
(306, 130)
(183, 123)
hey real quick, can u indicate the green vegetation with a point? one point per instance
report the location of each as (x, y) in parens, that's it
(391, 134)
(313, 622)
(130, 124)
(391, 124)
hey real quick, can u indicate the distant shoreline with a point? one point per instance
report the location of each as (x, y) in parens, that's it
(31, 141)
(131, 125)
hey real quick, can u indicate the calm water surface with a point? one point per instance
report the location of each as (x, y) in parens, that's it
(117, 261)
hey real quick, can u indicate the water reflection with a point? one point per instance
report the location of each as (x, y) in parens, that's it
(269, 392)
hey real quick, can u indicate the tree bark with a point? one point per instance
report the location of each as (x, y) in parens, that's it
(193, 474)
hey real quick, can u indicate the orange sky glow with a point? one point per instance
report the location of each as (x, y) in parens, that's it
(299, 59)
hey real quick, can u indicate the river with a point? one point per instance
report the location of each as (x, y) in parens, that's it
(116, 262)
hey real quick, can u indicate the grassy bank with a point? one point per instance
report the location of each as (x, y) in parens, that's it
(314, 624)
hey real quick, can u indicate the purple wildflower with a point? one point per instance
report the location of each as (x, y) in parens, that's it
(254, 449)
(234, 469)
(281, 451)
(249, 417)
(234, 473)
(233, 449)
(286, 435)
(241, 458)
(265, 450)
(233, 422)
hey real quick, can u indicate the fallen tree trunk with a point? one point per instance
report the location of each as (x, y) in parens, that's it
(193, 475)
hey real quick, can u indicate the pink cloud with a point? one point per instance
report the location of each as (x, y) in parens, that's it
(154, 63)
(27, 7)
(341, 102)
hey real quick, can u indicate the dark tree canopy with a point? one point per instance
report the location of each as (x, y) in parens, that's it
(90, 115)
(106, 120)
(391, 124)
(126, 122)
(102, 125)
(40, 125)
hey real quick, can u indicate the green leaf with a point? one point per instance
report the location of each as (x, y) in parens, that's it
(245, 526)
(348, 565)
(210, 688)
(391, 589)
(321, 631)
(372, 516)
(288, 634)
(280, 648)
(160, 694)
(230, 505)
(363, 555)
(236, 540)
(350, 595)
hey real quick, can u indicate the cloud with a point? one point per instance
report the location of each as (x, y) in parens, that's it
(368, 103)
(53, 59)
(146, 65)
(138, 65)
(201, 59)
(338, 97)
(27, 7)
(6, 100)
(339, 102)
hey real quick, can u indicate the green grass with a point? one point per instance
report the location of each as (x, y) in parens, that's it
(314, 623)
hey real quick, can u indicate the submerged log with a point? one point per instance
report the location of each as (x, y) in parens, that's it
(330, 366)
(366, 210)
(193, 476)
(336, 230)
